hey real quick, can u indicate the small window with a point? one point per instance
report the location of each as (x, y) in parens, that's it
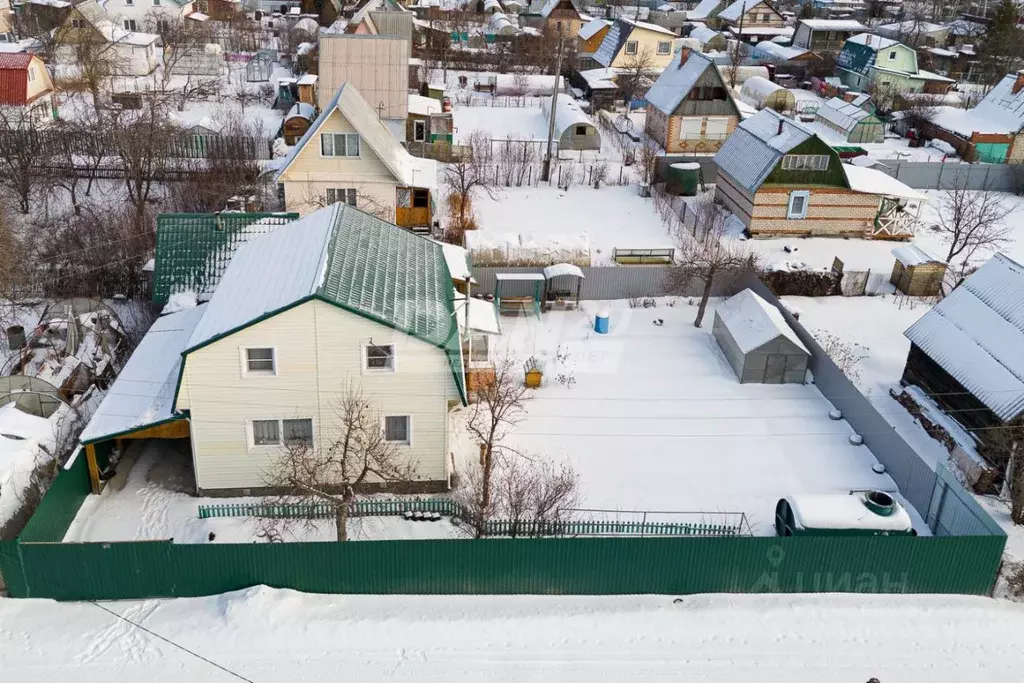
(420, 199)
(380, 357)
(265, 433)
(77, 23)
(664, 47)
(558, 25)
(260, 361)
(341, 194)
(396, 429)
(130, 25)
(156, 3)
(892, 55)
(31, 74)
(581, 130)
(419, 131)
(798, 204)
(630, 47)
(339, 144)
(298, 432)
(765, 18)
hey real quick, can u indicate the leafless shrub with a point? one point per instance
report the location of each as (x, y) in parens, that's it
(846, 355)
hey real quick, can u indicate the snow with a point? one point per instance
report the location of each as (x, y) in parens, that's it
(657, 421)
(155, 502)
(832, 511)
(266, 634)
(560, 269)
(613, 216)
(910, 255)
(179, 301)
(143, 392)
(873, 181)
(21, 435)
(567, 114)
(478, 314)
(753, 322)
(457, 260)
(423, 106)
(500, 123)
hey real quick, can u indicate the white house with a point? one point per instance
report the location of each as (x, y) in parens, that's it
(334, 300)
(130, 53)
(142, 15)
(348, 155)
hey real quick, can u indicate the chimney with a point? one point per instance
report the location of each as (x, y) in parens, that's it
(1019, 83)
(780, 125)
(684, 54)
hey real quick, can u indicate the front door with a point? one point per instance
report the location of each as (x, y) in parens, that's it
(775, 369)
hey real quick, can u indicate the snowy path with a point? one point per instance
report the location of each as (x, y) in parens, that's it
(272, 636)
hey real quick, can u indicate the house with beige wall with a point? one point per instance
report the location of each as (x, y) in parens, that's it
(779, 178)
(690, 108)
(349, 156)
(628, 43)
(87, 27)
(26, 91)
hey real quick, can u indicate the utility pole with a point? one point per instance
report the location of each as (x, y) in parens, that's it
(546, 171)
(739, 41)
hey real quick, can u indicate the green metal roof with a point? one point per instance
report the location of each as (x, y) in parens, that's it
(194, 249)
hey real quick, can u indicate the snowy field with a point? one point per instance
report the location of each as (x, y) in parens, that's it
(657, 420)
(155, 503)
(266, 635)
(613, 216)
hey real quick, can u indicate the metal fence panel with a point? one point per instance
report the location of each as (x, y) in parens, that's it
(937, 175)
(603, 283)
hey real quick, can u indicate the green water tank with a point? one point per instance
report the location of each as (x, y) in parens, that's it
(683, 179)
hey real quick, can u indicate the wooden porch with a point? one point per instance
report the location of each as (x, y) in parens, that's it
(414, 208)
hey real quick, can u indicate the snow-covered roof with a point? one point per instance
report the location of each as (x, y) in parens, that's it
(703, 10)
(617, 36)
(567, 113)
(457, 260)
(733, 11)
(913, 255)
(756, 146)
(873, 181)
(845, 115)
(844, 511)
(423, 106)
(301, 109)
(676, 81)
(779, 31)
(550, 5)
(499, 24)
(407, 169)
(759, 88)
(872, 41)
(911, 26)
(592, 28)
(601, 79)
(1001, 110)
(143, 393)
(307, 79)
(833, 25)
(753, 322)
(976, 335)
(560, 269)
(477, 315)
(349, 258)
(704, 34)
(780, 52)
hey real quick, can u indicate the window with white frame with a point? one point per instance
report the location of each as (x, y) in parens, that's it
(798, 204)
(297, 432)
(341, 194)
(805, 162)
(631, 47)
(419, 131)
(260, 361)
(664, 47)
(397, 429)
(130, 25)
(266, 432)
(380, 357)
(892, 55)
(339, 144)
(31, 74)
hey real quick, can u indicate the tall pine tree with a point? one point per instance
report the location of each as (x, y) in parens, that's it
(1003, 46)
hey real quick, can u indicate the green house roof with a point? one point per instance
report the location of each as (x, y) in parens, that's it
(194, 249)
(347, 258)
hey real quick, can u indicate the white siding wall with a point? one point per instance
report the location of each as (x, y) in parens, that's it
(319, 349)
(144, 11)
(311, 173)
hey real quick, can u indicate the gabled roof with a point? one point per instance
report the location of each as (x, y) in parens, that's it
(550, 5)
(617, 36)
(592, 28)
(753, 150)
(733, 11)
(753, 322)
(143, 393)
(976, 335)
(14, 78)
(350, 104)
(347, 258)
(845, 115)
(111, 32)
(705, 9)
(675, 82)
(194, 250)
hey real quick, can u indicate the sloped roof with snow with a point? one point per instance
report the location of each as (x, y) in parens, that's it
(676, 81)
(753, 322)
(976, 334)
(756, 146)
(845, 115)
(704, 34)
(617, 36)
(780, 52)
(550, 5)
(351, 105)
(567, 113)
(913, 255)
(733, 11)
(592, 28)
(704, 10)
(348, 258)
(143, 393)
(872, 181)
(833, 25)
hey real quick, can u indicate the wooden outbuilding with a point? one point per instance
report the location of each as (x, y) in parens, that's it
(916, 272)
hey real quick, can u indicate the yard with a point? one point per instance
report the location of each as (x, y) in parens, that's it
(656, 420)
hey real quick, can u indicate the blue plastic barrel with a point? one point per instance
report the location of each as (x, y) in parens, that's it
(601, 323)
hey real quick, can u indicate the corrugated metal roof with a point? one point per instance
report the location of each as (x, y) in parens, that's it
(592, 28)
(856, 56)
(976, 334)
(612, 43)
(733, 11)
(676, 81)
(756, 146)
(14, 78)
(349, 258)
(194, 250)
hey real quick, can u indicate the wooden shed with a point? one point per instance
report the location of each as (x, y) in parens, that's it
(916, 272)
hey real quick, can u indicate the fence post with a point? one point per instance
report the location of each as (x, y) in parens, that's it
(938, 183)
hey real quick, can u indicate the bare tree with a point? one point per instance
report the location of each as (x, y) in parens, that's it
(971, 221)
(333, 472)
(142, 144)
(496, 407)
(360, 198)
(636, 72)
(64, 173)
(468, 175)
(647, 156)
(23, 154)
(846, 355)
(705, 253)
(98, 61)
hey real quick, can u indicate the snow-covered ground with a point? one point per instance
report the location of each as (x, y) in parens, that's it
(155, 503)
(25, 442)
(657, 420)
(267, 635)
(612, 216)
(891, 149)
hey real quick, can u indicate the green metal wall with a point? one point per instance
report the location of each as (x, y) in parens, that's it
(41, 567)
